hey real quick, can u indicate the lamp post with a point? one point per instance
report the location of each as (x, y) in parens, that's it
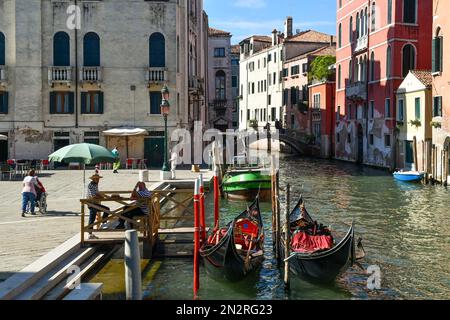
(165, 109)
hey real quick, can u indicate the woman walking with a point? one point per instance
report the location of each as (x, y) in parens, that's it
(29, 192)
(116, 165)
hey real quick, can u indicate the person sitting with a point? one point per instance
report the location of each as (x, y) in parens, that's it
(94, 194)
(142, 196)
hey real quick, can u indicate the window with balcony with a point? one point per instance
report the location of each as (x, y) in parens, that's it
(219, 52)
(91, 50)
(92, 102)
(409, 11)
(437, 106)
(61, 102)
(61, 49)
(2, 49)
(157, 53)
(409, 59)
(437, 53)
(155, 102)
(3, 102)
(220, 85)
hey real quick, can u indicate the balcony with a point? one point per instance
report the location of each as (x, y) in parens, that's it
(195, 84)
(220, 104)
(316, 115)
(156, 75)
(3, 77)
(356, 91)
(60, 75)
(361, 43)
(91, 74)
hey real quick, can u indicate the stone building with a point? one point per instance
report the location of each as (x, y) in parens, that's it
(235, 56)
(65, 83)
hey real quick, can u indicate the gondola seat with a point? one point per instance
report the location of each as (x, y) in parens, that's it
(245, 232)
(306, 243)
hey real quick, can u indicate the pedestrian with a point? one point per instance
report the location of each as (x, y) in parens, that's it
(30, 185)
(142, 196)
(96, 196)
(116, 154)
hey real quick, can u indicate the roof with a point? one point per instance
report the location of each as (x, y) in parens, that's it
(423, 76)
(322, 51)
(218, 33)
(236, 49)
(259, 38)
(312, 36)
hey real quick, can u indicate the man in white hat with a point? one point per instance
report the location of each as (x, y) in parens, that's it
(94, 194)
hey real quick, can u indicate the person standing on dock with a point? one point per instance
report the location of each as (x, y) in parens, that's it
(116, 165)
(142, 196)
(94, 194)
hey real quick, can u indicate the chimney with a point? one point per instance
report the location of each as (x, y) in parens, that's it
(331, 41)
(288, 27)
(274, 37)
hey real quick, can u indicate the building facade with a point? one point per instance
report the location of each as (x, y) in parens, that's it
(414, 115)
(441, 91)
(220, 80)
(68, 83)
(235, 84)
(379, 42)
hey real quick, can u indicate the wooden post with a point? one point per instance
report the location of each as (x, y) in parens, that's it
(442, 167)
(196, 284)
(432, 164)
(202, 210)
(287, 238)
(133, 280)
(82, 223)
(272, 194)
(423, 156)
(446, 169)
(278, 214)
(416, 164)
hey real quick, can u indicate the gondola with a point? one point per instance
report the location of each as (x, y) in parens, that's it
(319, 265)
(231, 253)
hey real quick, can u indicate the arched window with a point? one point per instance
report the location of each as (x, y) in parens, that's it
(220, 85)
(389, 12)
(340, 36)
(409, 59)
(372, 66)
(157, 50)
(2, 49)
(339, 76)
(91, 50)
(357, 25)
(363, 23)
(351, 30)
(373, 17)
(388, 62)
(61, 49)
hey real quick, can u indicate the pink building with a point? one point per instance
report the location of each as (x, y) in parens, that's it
(378, 43)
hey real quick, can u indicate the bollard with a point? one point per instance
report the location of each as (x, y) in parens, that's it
(133, 281)
(196, 284)
(202, 210)
(287, 238)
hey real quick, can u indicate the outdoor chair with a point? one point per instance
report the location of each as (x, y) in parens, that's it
(45, 165)
(6, 170)
(129, 164)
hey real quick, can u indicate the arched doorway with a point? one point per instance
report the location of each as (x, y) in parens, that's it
(360, 144)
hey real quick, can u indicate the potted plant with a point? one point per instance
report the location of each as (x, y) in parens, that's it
(416, 123)
(435, 124)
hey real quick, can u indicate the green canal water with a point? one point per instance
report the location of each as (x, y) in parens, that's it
(405, 230)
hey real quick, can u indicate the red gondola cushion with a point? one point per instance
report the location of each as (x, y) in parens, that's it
(305, 243)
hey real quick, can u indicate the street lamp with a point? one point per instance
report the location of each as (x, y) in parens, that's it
(165, 110)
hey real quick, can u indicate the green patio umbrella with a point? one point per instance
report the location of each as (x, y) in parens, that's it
(84, 153)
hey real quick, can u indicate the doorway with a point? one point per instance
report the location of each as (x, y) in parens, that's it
(154, 152)
(360, 144)
(3, 148)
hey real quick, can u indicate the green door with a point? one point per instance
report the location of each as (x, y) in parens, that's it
(409, 156)
(154, 152)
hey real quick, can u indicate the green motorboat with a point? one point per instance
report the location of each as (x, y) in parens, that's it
(245, 184)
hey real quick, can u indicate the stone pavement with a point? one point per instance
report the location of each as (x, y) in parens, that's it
(23, 240)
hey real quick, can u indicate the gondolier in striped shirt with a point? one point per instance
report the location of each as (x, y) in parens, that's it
(94, 194)
(142, 196)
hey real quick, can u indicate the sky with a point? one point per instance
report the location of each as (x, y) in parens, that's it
(244, 18)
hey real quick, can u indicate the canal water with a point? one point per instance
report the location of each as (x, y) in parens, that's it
(405, 230)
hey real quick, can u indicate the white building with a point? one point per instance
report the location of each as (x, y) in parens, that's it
(261, 73)
(68, 85)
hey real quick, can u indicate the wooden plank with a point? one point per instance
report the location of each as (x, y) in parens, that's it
(87, 291)
(178, 230)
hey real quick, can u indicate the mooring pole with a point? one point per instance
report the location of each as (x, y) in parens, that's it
(278, 214)
(416, 165)
(202, 209)
(287, 238)
(216, 198)
(196, 237)
(272, 195)
(133, 281)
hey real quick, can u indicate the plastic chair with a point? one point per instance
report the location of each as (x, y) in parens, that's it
(45, 165)
(129, 163)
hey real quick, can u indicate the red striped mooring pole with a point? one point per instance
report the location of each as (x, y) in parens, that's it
(202, 210)
(216, 199)
(196, 237)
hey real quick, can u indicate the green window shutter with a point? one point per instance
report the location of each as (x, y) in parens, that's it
(100, 102)
(433, 55)
(440, 106)
(441, 53)
(83, 102)
(52, 102)
(71, 102)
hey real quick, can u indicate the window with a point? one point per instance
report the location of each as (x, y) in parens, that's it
(275, 57)
(388, 62)
(269, 57)
(3, 102)
(251, 66)
(371, 139)
(248, 114)
(61, 49)
(2, 49)
(437, 53)
(400, 110)
(373, 16)
(350, 71)
(295, 70)
(292, 121)
(219, 52)
(340, 36)
(157, 47)
(340, 3)
(387, 140)
(409, 59)
(253, 87)
(155, 102)
(339, 77)
(372, 66)
(316, 99)
(91, 50)
(61, 102)
(234, 62)
(294, 96)
(349, 112)
(417, 108)
(357, 25)
(389, 12)
(92, 137)
(234, 81)
(372, 109)
(349, 138)
(387, 107)
(285, 73)
(92, 102)
(338, 113)
(305, 68)
(409, 11)
(270, 99)
(351, 30)
(274, 114)
(220, 85)
(259, 86)
(437, 106)
(274, 78)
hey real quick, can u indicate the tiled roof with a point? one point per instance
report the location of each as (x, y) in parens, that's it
(322, 51)
(262, 38)
(217, 32)
(236, 49)
(312, 36)
(423, 76)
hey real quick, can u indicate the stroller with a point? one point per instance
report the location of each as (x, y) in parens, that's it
(41, 199)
